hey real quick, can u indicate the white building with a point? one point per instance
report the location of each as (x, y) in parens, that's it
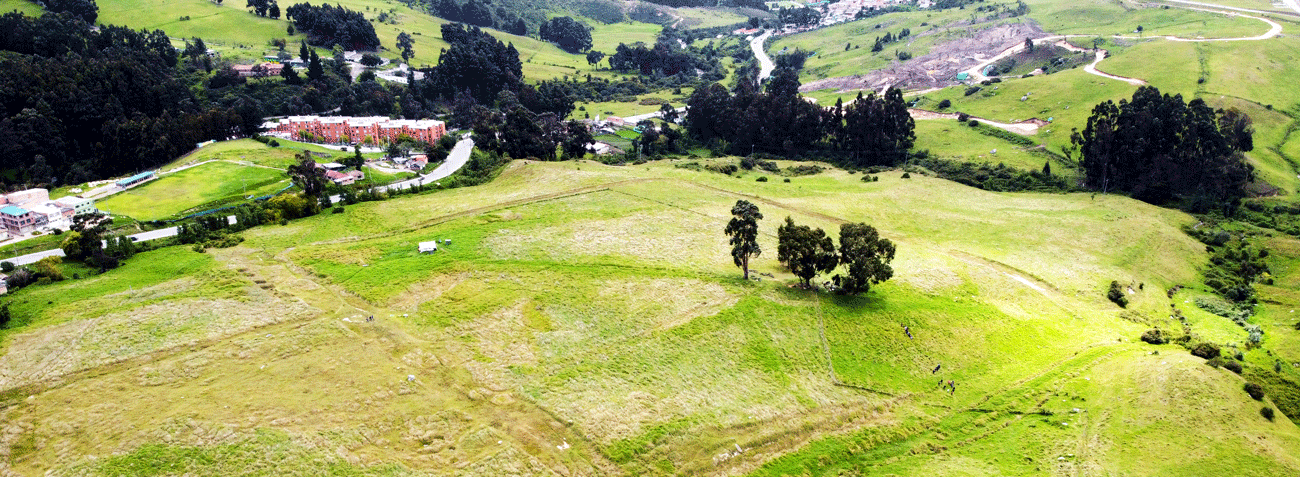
(78, 205)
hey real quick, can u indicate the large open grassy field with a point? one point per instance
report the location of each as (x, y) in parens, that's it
(180, 192)
(587, 320)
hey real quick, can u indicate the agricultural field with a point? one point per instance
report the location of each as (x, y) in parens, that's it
(584, 319)
(653, 357)
(215, 183)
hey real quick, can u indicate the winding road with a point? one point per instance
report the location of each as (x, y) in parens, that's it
(976, 72)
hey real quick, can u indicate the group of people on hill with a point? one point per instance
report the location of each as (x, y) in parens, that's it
(950, 385)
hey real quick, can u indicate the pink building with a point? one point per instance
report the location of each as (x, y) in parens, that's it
(357, 129)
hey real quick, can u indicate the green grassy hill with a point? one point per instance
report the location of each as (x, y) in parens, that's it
(595, 308)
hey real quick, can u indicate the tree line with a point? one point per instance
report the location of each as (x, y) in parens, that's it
(1159, 148)
(870, 131)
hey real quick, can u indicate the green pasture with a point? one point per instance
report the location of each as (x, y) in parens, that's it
(1101, 17)
(175, 193)
(606, 38)
(950, 139)
(1067, 97)
(602, 299)
(709, 17)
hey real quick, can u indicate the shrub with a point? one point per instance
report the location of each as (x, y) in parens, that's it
(761, 179)
(945, 104)
(907, 175)
(1267, 412)
(972, 90)
(962, 117)
(1232, 365)
(787, 180)
(9, 267)
(972, 123)
(1116, 294)
(1255, 391)
(1155, 336)
(338, 209)
(1206, 350)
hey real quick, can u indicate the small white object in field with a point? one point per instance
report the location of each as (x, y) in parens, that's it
(410, 378)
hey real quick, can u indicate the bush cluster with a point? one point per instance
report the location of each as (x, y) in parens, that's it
(1155, 336)
(1116, 295)
(1206, 350)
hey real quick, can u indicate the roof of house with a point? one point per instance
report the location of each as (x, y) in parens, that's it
(13, 210)
(428, 246)
(140, 176)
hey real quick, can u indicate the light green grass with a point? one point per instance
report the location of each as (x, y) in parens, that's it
(952, 140)
(606, 38)
(174, 194)
(1049, 96)
(708, 17)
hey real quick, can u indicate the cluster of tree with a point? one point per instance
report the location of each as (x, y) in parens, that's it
(330, 25)
(663, 58)
(569, 34)
(793, 60)
(520, 132)
(85, 243)
(807, 252)
(86, 10)
(881, 42)
(1159, 148)
(476, 62)
(78, 104)
(798, 16)
(264, 8)
(870, 131)
(477, 13)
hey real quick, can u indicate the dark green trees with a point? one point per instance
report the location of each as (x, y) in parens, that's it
(866, 256)
(566, 32)
(407, 45)
(804, 250)
(307, 176)
(743, 230)
(1159, 148)
(878, 130)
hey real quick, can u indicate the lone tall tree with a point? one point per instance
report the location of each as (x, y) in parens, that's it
(743, 230)
(307, 176)
(804, 250)
(867, 256)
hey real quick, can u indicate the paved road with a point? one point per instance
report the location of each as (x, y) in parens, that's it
(642, 117)
(765, 63)
(455, 160)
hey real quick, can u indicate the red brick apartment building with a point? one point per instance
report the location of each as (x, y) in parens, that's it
(356, 129)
